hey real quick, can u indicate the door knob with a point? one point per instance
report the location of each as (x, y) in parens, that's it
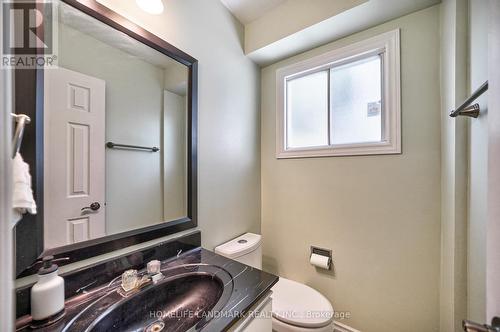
(93, 207)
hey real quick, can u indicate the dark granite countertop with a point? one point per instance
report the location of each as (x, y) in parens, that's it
(244, 286)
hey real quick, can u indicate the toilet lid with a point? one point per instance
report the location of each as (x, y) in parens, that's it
(300, 305)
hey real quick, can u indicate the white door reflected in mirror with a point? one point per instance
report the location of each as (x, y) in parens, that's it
(74, 163)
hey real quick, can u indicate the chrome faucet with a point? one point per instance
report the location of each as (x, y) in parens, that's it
(133, 282)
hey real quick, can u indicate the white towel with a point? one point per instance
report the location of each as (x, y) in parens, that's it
(22, 198)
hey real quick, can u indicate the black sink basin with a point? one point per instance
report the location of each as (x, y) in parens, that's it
(177, 303)
(172, 306)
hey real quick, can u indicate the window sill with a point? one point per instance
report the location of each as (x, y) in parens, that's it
(365, 149)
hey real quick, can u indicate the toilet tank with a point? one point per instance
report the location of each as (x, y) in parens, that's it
(245, 249)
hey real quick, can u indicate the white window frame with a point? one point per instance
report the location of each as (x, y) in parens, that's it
(387, 46)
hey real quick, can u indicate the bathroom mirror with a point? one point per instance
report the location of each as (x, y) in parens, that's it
(115, 139)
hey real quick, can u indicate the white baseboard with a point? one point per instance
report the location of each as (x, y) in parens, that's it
(339, 327)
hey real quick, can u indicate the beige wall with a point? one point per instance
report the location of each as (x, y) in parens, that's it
(478, 164)
(380, 215)
(493, 227)
(453, 289)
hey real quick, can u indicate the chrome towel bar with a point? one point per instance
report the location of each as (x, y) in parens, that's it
(21, 121)
(112, 145)
(466, 109)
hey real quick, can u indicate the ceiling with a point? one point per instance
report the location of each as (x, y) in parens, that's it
(247, 11)
(277, 29)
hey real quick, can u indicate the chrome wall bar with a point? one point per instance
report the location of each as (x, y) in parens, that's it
(466, 109)
(112, 145)
(21, 120)
(470, 326)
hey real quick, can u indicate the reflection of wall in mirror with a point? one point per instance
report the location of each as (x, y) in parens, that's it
(176, 79)
(175, 142)
(174, 156)
(134, 112)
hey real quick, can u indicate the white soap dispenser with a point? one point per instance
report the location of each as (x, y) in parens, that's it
(47, 295)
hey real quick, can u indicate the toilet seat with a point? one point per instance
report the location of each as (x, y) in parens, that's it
(300, 305)
(279, 326)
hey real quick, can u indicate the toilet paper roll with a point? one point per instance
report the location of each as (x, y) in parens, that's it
(320, 261)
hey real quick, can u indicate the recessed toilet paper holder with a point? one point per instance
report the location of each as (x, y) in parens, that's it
(322, 252)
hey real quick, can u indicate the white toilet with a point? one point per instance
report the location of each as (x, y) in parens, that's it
(296, 307)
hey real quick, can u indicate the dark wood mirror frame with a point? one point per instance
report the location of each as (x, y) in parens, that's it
(29, 98)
